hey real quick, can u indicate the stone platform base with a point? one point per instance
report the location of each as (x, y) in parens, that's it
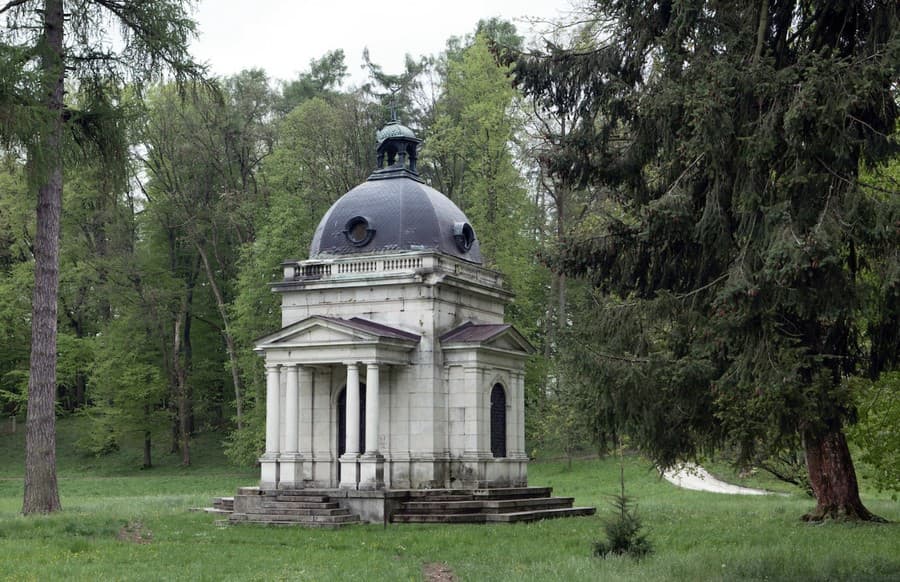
(338, 507)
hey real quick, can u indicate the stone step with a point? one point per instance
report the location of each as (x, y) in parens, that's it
(270, 510)
(455, 497)
(213, 510)
(511, 492)
(519, 516)
(438, 518)
(439, 493)
(301, 504)
(303, 524)
(260, 520)
(442, 506)
(538, 514)
(225, 503)
(303, 498)
(487, 506)
(303, 519)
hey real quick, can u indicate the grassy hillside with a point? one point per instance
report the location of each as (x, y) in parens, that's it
(125, 524)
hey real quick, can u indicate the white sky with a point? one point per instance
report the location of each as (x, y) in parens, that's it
(282, 36)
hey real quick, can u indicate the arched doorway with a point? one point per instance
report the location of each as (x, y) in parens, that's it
(498, 421)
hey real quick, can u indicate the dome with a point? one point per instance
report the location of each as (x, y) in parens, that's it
(393, 212)
(394, 129)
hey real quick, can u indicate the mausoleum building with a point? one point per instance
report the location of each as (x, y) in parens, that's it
(394, 390)
(394, 368)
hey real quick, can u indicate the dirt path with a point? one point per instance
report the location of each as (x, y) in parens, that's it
(695, 477)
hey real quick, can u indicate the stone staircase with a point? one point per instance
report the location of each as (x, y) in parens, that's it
(505, 505)
(223, 504)
(290, 507)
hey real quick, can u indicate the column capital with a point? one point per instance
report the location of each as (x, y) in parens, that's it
(272, 367)
(348, 364)
(371, 364)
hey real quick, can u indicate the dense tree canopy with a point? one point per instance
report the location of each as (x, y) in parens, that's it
(734, 250)
(46, 48)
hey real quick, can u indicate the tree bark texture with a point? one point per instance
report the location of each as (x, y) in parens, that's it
(41, 491)
(833, 479)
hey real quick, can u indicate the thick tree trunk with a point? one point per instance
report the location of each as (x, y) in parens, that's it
(41, 491)
(833, 479)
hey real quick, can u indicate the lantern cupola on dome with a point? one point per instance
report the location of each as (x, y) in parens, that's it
(394, 211)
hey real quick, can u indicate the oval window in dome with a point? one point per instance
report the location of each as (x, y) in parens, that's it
(358, 231)
(464, 235)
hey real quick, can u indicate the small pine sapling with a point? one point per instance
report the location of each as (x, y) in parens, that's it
(623, 528)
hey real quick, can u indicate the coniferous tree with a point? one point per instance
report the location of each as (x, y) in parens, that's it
(45, 44)
(734, 248)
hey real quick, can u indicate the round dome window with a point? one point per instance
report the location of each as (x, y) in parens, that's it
(358, 231)
(464, 236)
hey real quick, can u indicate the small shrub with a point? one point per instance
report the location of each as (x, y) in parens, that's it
(623, 529)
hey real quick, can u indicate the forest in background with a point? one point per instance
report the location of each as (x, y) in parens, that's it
(701, 232)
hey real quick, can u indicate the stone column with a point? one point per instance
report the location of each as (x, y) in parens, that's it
(349, 460)
(290, 463)
(371, 463)
(305, 445)
(371, 408)
(269, 461)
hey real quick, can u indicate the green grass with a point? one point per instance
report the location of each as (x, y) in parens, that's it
(697, 536)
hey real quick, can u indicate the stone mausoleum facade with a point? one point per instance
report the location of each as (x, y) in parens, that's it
(393, 368)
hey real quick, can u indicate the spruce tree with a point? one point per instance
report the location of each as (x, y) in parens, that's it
(734, 250)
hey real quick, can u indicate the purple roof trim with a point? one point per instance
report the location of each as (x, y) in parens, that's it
(472, 333)
(376, 328)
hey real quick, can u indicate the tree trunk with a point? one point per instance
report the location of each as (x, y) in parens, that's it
(833, 479)
(181, 388)
(148, 460)
(230, 345)
(41, 491)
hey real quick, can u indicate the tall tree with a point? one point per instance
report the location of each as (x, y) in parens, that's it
(734, 247)
(203, 157)
(44, 44)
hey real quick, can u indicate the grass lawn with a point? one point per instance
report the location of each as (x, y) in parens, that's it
(123, 524)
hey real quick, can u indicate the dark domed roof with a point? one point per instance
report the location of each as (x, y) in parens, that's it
(393, 211)
(394, 214)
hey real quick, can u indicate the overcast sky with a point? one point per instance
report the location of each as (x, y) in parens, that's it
(281, 36)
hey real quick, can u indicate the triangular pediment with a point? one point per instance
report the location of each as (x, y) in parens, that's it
(323, 331)
(496, 336)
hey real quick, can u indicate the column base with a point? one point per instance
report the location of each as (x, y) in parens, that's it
(269, 477)
(371, 471)
(349, 471)
(290, 471)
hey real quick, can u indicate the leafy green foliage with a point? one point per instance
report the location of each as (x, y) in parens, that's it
(878, 430)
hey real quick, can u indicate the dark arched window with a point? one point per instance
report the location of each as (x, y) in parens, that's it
(342, 419)
(498, 421)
